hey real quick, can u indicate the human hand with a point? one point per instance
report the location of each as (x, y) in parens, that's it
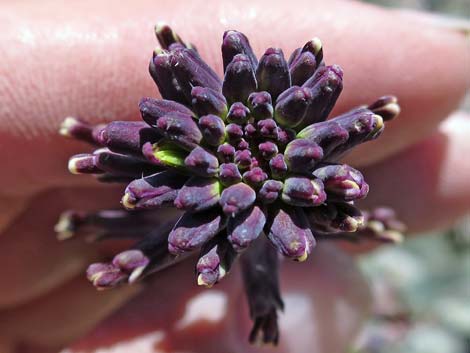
(90, 60)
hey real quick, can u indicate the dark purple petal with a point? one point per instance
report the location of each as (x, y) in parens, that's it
(213, 129)
(245, 227)
(202, 163)
(268, 128)
(234, 43)
(194, 229)
(239, 80)
(198, 194)
(123, 165)
(289, 231)
(303, 192)
(243, 159)
(335, 218)
(207, 101)
(302, 155)
(237, 198)
(302, 68)
(272, 73)
(234, 132)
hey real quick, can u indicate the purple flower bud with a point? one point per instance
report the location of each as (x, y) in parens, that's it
(127, 137)
(292, 105)
(255, 177)
(194, 229)
(154, 109)
(237, 198)
(285, 135)
(242, 145)
(315, 47)
(245, 227)
(104, 276)
(335, 218)
(327, 134)
(84, 164)
(122, 164)
(180, 129)
(190, 71)
(250, 131)
(343, 182)
(268, 149)
(278, 166)
(243, 159)
(302, 68)
(362, 126)
(80, 130)
(166, 36)
(213, 129)
(261, 105)
(289, 231)
(207, 101)
(268, 128)
(272, 73)
(302, 155)
(198, 194)
(387, 107)
(234, 132)
(202, 163)
(229, 174)
(303, 192)
(238, 113)
(239, 80)
(162, 74)
(270, 191)
(215, 261)
(234, 43)
(131, 260)
(226, 153)
(153, 191)
(326, 86)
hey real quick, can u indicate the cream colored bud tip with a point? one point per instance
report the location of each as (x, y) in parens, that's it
(66, 126)
(72, 165)
(126, 201)
(303, 257)
(201, 282)
(393, 236)
(393, 108)
(160, 26)
(136, 274)
(379, 121)
(62, 228)
(316, 44)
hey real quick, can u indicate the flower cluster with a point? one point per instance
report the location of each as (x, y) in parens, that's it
(250, 154)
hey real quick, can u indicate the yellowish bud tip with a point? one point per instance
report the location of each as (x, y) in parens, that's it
(159, 26)
(72, 165)
(303, 257)
(62, 228)
(393, 236)
(126, 202)
(379, 122)
(135, 275)
(64, 128)
(317, 44)
(201, 282)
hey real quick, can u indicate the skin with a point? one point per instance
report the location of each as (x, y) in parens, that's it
(89, 59)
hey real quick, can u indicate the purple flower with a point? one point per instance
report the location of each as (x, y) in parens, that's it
(248, 163)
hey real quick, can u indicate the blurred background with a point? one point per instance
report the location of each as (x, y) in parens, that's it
(422, 287)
